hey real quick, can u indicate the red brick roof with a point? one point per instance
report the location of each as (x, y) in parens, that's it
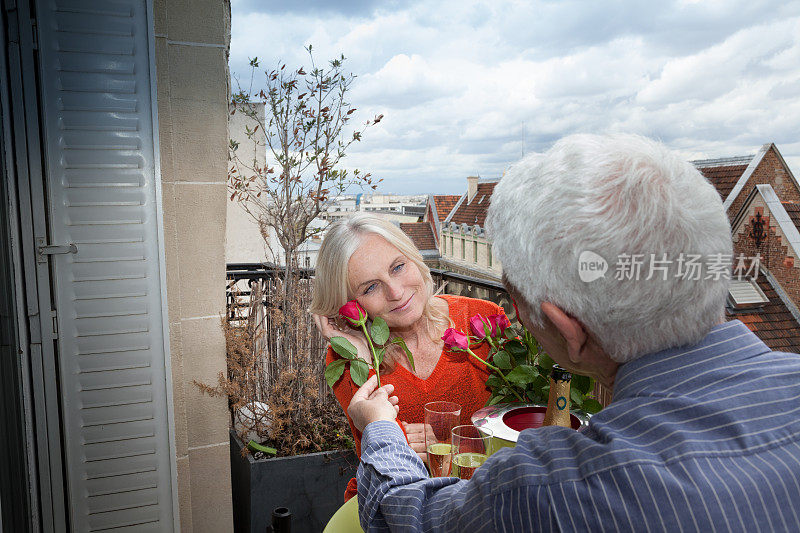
(724, 178)
(421, 233)
(793, 209)
(774, 324)
(444, 204)
(475, 212)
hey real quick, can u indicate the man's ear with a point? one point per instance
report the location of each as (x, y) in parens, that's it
(569, 328)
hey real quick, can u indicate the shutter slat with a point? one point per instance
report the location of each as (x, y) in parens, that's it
(102, 184)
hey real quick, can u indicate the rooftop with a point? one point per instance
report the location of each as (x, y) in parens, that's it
(444, 204)
(474, 212)
(793, 210)
(723, 161)
(723, 173)
(422, 235)
(775, 324)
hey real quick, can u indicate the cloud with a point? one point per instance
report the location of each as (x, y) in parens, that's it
(403, 82)
(313, 7)
(466, 86)
(722, 67)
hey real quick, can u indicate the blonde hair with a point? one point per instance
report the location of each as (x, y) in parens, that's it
(331, 284)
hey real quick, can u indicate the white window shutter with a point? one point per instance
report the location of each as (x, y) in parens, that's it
(101, 164)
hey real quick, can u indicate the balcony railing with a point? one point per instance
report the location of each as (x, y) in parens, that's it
(243, 276)
(282, 339)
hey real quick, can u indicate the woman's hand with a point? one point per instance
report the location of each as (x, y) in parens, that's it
(328, 327)
(416, 439)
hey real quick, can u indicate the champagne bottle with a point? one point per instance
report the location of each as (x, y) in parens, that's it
(557, 413)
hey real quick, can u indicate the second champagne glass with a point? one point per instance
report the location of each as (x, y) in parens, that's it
(440, 419)
(470, 449)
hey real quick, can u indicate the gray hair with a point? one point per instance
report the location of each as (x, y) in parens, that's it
(613, 195)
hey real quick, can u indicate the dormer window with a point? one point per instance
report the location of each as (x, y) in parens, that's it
(745, 294)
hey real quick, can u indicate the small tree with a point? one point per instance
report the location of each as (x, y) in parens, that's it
(305, 137)
(278, 358)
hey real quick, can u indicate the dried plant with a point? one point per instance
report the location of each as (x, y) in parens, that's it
(303, 414)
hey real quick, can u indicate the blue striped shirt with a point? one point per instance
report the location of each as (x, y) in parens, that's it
(696, 439)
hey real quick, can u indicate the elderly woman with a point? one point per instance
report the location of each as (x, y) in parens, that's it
(370, 260)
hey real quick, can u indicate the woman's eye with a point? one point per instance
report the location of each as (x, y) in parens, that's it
(369, 289)
(399, 267)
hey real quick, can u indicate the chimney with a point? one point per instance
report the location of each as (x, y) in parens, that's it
(472, 187)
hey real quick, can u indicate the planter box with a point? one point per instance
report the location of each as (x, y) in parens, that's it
(311, 486)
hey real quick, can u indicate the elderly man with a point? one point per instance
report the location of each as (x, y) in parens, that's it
(703, 432)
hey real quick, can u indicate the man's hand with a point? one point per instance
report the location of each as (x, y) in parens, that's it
(370, 404)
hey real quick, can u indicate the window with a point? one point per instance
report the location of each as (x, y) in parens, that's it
(463, 248)
(308, 262)
(745, 294)
(451, 245)
(474, 251)
(444, 245)
(489, 253)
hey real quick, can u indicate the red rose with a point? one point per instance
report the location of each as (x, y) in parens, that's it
(476, 324)
(499, 323)
(353, 312)
(455, 340)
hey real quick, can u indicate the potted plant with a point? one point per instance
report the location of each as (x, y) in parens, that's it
(290, 443)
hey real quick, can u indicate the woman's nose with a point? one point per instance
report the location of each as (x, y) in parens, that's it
(395, 290)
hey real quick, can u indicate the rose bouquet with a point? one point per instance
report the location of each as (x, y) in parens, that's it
(377, 334)
(520, 369)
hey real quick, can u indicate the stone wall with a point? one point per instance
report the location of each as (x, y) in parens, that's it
(451, 245)
(243, 240)
(192, 40)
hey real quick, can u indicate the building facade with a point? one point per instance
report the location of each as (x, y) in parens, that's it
(463, 244)
(762, 198)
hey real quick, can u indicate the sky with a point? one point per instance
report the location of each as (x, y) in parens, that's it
(466, 88)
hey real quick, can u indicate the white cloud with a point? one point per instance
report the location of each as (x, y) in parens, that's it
(402, 82)
(457, 80)
(720, 68)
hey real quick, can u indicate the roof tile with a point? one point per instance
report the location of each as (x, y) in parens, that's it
(793, 210)
(475, 212)
(724, 178)
(444, 204)
(421, 233)
(774, 324)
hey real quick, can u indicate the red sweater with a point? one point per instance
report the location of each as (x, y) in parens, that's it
(457, 377)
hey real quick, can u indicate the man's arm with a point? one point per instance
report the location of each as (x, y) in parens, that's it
(394, 491)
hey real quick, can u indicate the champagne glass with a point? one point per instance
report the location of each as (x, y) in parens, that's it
(470, 449)
(440, 419)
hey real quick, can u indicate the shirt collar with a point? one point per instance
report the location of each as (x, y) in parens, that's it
(731, 341)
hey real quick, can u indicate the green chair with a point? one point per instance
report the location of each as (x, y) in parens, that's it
(345, 520)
